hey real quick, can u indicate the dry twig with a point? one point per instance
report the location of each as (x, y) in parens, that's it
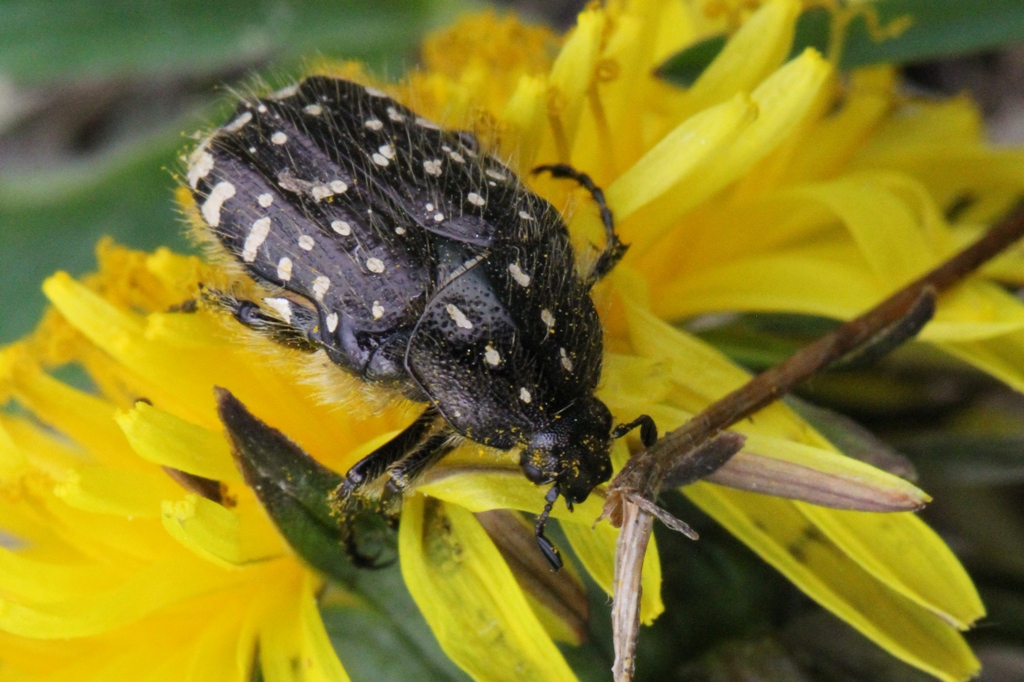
(636, 487)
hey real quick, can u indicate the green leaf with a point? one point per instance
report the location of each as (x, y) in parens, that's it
(852, 439)
(100, 39)
(296, 491)
(760, 340)
(938, 28)
(962, 459)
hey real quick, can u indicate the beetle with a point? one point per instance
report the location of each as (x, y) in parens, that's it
(420, 264)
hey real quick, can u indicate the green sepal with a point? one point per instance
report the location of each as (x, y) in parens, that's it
(297, 493)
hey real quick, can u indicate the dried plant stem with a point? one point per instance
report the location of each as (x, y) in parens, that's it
(643, 475)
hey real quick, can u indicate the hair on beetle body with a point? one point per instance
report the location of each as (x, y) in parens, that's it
(416, 262)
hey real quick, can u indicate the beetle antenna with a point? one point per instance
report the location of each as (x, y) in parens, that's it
(547, 547)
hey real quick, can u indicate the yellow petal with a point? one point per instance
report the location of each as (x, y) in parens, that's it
(166, 440)
(82, 417)
(217, 534)
(907, 556)
(470, 598)
(481, 488)
(294, 646)
(702, 375)
(26, 579)
(595, 549)
(132, 494)
(756, 50)
(783, 537)
(887, 233)
(526, 113)
(678, 155)
(156, 587)
(999, 356)
(784, 102)
(322, 660)
(26, 448)
(571, 76)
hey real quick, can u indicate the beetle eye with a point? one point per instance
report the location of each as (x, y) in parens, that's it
(533, 464)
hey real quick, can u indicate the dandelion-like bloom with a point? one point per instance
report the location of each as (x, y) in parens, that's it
(767, 186)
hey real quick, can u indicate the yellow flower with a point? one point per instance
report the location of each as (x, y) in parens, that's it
(768, 185)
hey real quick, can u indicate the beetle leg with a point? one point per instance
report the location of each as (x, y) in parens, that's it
(648, 430)
(547, 547)
(404, 473)
(614, 249)
(378, 461)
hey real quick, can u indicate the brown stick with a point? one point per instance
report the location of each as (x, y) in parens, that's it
(643, 475)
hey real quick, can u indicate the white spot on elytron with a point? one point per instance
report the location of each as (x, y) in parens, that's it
(375, 265)
(374, 92)
(521, 278)
(387, 151)
(399, 230)
(220, 193)
(320, 192)
(566, 362)
(460, 317)
(395, 115)
(341, 227)
(285, 93)
(257, 235)
(320, 286)
(313, 109)
(306, 243)
(265, 199)
(200, 168)
(475, 199)
(262, 109)
(430, 207)
(332, 322)
(492, 183)
(525, 396)
(432, 167)
(379, 160)
(458, 413)
(378, 310)
(252, 150)
(278, 138)
(438, 217)
(548, 319)
(525, 216)
(495, 174)
(373, 123)
(338, 187)
(284, 269)
(457, 157)
(492, 356)
(239, 122)
(283, 307)
(426, 123)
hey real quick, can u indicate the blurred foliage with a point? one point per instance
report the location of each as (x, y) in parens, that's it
(923, 29)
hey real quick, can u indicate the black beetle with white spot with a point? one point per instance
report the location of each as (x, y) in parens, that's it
(417, 262)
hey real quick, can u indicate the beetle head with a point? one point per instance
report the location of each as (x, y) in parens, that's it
(573, 452)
